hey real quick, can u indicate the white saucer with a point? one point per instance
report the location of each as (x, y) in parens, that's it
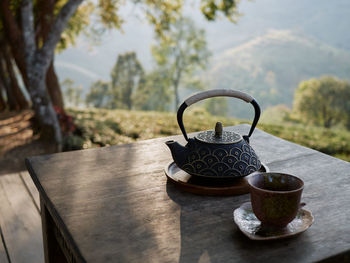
(251, 226)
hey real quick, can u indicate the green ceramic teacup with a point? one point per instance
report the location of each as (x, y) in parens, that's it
(275, 197)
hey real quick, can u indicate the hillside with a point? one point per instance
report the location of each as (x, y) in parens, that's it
(271, 66)
(99, 127)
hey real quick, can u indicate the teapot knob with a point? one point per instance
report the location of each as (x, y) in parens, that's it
(218, 130)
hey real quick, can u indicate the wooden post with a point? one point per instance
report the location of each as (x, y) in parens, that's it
(52, 250)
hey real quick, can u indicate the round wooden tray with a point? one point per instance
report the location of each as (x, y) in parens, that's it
(204, 186)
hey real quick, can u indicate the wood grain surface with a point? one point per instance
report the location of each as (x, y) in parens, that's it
(115, 205)
(19, 221)
(3, 255)
(33, 192)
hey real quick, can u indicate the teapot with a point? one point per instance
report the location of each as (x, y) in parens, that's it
(216, 153)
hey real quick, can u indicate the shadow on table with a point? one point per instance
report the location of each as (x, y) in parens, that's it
(198, 214)
(101, 207)
(208, 233)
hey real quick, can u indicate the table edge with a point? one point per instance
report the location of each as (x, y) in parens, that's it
(54, 214)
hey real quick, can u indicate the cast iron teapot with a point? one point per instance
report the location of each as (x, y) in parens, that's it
(216, 153)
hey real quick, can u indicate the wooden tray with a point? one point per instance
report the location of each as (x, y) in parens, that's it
(204, 186)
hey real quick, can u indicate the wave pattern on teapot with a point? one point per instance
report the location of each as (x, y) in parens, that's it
(220, 162)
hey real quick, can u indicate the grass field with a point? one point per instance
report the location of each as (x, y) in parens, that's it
(101, 127)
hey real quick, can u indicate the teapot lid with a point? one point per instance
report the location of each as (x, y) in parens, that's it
(219, 136)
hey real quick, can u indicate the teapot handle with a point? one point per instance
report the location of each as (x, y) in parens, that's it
(218, 93)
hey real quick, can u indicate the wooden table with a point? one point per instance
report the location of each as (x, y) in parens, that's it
(114, 204)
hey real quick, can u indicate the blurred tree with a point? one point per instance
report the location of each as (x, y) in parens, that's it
(324, 101)
(181, 53)
(127, 76)
(130, 86)
(72, 93)
(162, 14)
(154, 94)
(212, 8)
(99, 95)
(67, 83)
(277, 114)
(217, 106)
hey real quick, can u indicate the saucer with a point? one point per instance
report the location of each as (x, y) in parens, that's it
(251, 226)
(208, 186)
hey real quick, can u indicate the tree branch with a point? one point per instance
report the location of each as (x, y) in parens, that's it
(56, 30)
(14, 37)
(45, 18)
(9, 23)
(28, 31)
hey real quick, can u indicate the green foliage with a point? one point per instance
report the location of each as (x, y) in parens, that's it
(108, 13)
(99, 95)
(107, 127)
(211, 8)
(161, 13)
(131, 88)
(77, 24)
(154, 94)
(324, 102)
(181, 54)
(72, 95)
(217, 106)
(72, 142)
(178, 58)
(276, 114)
(127, 77)
(185, 46)
(334, 142)
(93, 18)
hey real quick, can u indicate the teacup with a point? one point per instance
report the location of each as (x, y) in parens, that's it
(275, 197)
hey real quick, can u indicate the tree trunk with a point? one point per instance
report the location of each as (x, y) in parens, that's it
(38, 61)
(46, 18)
(176, 81)
(43, 107)
(53, 87)
(326, 118)
(128, 93)
(177, 100)
(176, 89)
(14, 38)
(5, 80)
(328, 122)
(2, 101)
(16, 99)
(16, 91)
